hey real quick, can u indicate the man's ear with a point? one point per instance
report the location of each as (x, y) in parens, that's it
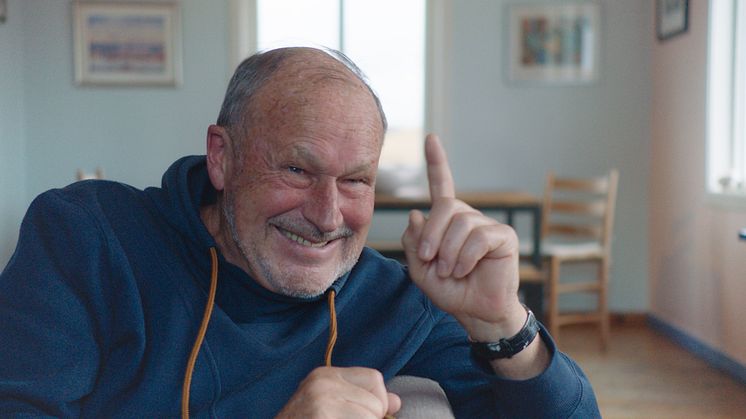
(218, 155)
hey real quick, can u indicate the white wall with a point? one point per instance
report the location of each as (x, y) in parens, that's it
(133, 133)
(516, 134)
(12, 134)
(498, 135)
(505, 136)
(49, 127)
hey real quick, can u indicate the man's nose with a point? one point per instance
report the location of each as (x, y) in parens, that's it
(322, 208)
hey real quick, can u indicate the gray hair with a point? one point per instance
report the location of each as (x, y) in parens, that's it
(254, 72)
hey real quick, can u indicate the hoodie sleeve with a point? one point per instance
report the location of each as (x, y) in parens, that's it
(561, 391)
(49, 342)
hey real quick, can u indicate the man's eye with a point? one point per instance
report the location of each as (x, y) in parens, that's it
(296, 170)
(358, 181)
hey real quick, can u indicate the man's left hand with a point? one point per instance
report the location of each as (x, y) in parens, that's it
(466, 262)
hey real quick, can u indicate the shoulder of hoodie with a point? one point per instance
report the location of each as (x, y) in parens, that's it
(86, 192)
(92, 197)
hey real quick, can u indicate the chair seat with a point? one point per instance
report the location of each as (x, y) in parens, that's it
(564, 250)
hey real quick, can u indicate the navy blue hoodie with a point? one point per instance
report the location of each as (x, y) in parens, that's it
(101, 302)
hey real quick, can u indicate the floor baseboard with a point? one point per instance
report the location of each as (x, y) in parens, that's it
(629, 318)
(712, 356)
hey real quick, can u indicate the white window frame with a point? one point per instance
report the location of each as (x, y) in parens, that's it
(726, 103)
(242, 43)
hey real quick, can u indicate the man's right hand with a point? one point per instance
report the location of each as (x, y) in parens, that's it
(333, 392)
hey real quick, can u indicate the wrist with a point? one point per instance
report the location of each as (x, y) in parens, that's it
(507, 347)
(512, 320)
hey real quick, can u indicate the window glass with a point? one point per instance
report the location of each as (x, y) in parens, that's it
(726, 110)
(393, 59)
(297, 22)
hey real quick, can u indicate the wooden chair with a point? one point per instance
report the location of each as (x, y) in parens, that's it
(577, 225)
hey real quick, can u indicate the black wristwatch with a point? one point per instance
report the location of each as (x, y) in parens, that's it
(507, 347)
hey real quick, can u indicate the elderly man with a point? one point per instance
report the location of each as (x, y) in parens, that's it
(223, 292)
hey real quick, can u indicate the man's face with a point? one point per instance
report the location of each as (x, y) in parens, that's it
(299, 200)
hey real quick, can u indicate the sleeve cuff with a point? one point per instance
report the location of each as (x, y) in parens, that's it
(562, 390)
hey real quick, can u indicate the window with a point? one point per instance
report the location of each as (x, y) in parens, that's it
(726, 109)
(386, 38)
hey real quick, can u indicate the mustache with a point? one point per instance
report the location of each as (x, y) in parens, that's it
(309, 231)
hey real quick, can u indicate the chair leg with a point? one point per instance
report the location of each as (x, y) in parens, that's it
(603, 305)
(553, 309)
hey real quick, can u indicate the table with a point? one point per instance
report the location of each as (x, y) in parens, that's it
(508, 202)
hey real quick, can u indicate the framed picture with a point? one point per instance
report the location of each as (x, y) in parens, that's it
(3, 10)
(671, 17)
(125, 43)
(553, 43)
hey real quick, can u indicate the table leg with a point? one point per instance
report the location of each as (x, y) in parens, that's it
(533, 293)
(536, 256)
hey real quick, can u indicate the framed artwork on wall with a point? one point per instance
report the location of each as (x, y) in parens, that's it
(553, 43)
(671, 18)
(128, 44)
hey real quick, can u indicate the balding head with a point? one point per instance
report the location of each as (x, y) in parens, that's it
(283, 72)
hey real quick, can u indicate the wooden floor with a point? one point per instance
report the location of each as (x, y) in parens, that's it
(645, 375)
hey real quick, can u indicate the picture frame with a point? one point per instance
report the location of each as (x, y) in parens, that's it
(127, 43)
(671, 18)
(556, 44)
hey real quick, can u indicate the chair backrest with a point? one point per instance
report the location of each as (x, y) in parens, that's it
(580, 209)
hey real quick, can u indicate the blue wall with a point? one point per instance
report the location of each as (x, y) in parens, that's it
(12, 136)
(133, 133)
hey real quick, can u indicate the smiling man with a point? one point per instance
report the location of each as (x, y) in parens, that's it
(296, 180)
(242, 286)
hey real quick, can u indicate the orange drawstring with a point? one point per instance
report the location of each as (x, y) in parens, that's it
(333, 335)
(206, 319)
(200, 335)
(332, 329)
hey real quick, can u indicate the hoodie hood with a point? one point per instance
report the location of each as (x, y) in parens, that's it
(185, 187)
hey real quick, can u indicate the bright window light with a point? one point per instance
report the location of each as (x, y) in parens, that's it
(726, 108)
(393, 59)
(297, 23)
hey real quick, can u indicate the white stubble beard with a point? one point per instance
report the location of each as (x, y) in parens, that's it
(279, 276)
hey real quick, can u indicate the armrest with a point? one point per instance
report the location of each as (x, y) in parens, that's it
(421, 398)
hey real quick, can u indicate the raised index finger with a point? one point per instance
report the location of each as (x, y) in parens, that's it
(438, 172)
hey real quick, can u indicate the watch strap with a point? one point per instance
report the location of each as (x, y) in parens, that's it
(508, 347)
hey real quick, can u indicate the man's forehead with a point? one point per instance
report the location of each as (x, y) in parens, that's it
(311, 90)
(292, 103)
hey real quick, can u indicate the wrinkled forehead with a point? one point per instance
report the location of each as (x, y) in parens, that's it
(308, 62)
(309, 74)
(305, 86)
